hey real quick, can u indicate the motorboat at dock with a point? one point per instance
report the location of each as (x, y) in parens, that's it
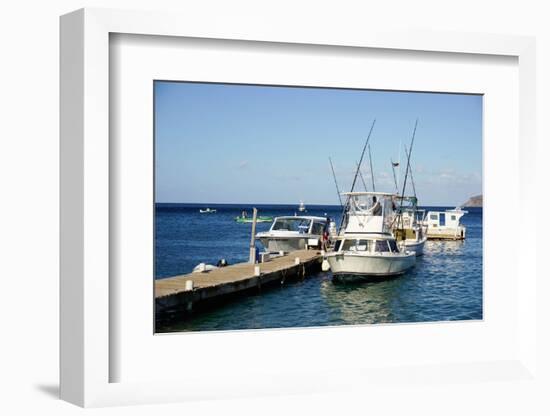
(292, 233)
(409, 228)
(365, 246)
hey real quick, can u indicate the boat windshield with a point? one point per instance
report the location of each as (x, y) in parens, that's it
(357, 245)
(384, 246)
(318, 228)
(300, 225)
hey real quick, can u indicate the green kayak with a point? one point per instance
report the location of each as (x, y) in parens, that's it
(249, 219)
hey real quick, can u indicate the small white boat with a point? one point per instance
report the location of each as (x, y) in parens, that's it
(294, 233)
(416, 246)
(365, 247)
(207, 211)
(302, 207)
(445, 225)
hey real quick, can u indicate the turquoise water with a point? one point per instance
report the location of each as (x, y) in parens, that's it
(446, 283)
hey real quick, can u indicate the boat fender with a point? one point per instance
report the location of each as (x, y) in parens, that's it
(203, 268)
(325, 266)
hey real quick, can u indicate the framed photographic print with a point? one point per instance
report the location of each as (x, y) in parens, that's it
(391, 249)
(266, 211)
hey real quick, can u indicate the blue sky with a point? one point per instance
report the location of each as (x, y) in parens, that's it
(221, 143)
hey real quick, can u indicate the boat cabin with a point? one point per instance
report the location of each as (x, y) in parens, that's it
(301, 225)
(294, 233)
(369, 245)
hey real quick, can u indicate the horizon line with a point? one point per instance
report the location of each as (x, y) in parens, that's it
(286, 204)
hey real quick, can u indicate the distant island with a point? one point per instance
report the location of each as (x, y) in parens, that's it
(475, 201)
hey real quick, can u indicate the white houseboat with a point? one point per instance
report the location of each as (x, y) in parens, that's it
(445, 225)
(365, 247)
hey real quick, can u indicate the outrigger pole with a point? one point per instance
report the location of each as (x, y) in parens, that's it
(356, 174)
(407, 172)
(393, 165)
(361, 176)
(362, 155)
(412, 179)
(335, 182)
(371, 172)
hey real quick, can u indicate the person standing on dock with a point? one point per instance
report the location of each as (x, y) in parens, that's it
(326, 235)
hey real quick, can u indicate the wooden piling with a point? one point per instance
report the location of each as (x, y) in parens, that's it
(252, 252)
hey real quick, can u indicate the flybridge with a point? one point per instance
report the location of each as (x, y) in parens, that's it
(369, 212)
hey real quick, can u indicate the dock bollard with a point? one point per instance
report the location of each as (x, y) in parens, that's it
(325, 265)
(256, 270)
(297, 260)
(188, 285)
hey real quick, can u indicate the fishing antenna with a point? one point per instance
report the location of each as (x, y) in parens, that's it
(371, 172)
(335, 181)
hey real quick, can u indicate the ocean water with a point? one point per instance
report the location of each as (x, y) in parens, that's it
(446, 284)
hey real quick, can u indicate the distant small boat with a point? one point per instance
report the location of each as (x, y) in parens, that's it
(302, 207)
(249, 219)
(244, 218)
(207, 211)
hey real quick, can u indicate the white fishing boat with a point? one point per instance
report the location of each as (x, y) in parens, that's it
(365, 247)
(409, 228)
(294, 233)
(445, 225)
(302, 207)
(207, 211)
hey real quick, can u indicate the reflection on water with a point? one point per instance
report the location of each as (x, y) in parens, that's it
(359, 303)
(445, 284)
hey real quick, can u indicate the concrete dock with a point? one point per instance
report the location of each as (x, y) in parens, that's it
(187, 292)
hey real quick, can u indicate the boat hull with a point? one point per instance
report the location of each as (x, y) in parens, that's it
(354, 267)
(250, 220)
(274, 245)
(443, 233)
(416, 246)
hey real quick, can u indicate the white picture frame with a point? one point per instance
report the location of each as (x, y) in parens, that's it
(86, 263)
